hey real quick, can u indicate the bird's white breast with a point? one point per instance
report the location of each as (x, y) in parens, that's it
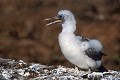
(70, 47)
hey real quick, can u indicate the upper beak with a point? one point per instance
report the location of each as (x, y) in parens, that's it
(53, 20)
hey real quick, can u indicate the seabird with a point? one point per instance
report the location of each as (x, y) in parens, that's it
(83, 52)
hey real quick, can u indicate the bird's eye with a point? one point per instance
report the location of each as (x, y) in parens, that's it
(61, 16)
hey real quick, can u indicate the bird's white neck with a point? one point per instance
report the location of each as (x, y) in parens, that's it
(68, 27)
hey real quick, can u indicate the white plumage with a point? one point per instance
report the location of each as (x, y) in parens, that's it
(80, 51)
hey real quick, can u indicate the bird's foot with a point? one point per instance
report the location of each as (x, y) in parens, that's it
(87, 73)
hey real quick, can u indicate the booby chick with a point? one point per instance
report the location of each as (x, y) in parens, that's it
(80, 51)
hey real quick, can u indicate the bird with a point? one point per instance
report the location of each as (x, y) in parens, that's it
(83, 52)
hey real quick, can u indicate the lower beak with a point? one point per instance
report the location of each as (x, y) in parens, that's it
(53, 20)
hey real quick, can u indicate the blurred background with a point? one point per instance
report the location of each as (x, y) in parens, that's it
(23, 34)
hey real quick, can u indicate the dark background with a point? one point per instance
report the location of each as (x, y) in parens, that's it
(24, 36)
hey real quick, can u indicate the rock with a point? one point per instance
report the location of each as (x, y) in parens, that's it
(20, 70)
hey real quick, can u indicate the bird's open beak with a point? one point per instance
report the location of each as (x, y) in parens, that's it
(53, 20)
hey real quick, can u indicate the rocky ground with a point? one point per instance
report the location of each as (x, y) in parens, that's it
(20, 70)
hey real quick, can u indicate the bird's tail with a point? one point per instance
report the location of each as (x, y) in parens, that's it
(102, 69)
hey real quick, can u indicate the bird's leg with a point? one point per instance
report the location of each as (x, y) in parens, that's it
(89, 70)
(76, 70)
(87, 73)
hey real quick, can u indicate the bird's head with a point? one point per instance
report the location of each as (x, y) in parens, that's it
(62, 17)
